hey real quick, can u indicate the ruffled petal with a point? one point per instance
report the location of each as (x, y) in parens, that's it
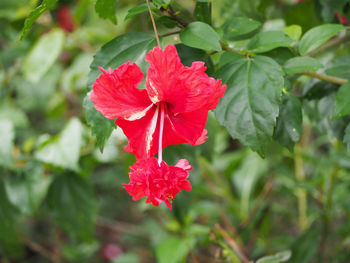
(186, 127)
(185, 89)
(143, 134)
(162, 73)
(115, 93)
(159, 183)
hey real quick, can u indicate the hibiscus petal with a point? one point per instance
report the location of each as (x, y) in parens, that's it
(115, 93)
(162, 73)
(143, 134)
(159, 183)
(186, 127)
(185, 89)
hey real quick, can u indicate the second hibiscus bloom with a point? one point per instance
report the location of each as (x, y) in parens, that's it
(173, 109)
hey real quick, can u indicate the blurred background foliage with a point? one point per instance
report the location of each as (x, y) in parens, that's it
(61, 198)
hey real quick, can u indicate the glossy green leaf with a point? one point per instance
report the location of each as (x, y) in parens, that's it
(346, 138)
(73, 205)
(339, 67)
(34, 15)
(317, 36)
(239, 26)
(173, 249)
(200, 35)
(7, 136)
(282, 256)
(64, 150)
(107, 9)
(251, 104)
(100, 126)
(202, 12)
(28, 188)
(35, 65)
(9, 240)
(289, 122)
(127, 47)
(300, 64)
(342, 101)
(293, 31)
(268, 40)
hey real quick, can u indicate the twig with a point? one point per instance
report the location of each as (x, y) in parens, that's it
(325, 77)
(267, 189)
(171, 33)
(153, 23)
(232, 244)
(329, 44)
(171, 12)
(53, 257)
(119, 227)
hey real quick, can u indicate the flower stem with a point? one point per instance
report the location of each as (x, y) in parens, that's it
(153, 23)
(161, 128)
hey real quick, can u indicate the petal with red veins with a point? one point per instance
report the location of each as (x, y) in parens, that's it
(115, 93)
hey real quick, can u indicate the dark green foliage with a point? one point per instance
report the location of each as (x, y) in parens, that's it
(63, 165)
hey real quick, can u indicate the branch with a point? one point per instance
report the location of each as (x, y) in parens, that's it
(51, 256)
(153, 23)
(232, 244)
(329, 44)
(171, 33)
(332, 79)
(171, 12)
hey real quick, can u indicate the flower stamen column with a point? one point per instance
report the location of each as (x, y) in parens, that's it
(161, 128)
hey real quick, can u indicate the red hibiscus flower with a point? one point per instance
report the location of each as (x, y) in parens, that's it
(175, 102)
(159, 182)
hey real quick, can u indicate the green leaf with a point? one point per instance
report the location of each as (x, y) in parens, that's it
(127, 47)
(200, 35)
(63, 151)
(289, 122)
(304, 247)
(73, 204)
(43, 55)
(251, 104)
(28, 188)
(173, 249)
(7, 136)
(239, 26)
(317, 36)
(34, 15)
(100, 126)
(346, 138)
(339, 67)
(138, 10)
(276, 258)
(245, 179)
(9, 241)
(293, 31)
(227, 57)
(202, 12)
(11, 112)
(342, 101)
(188, 55)
(300, 64)
(106, 9)
(268, 40)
